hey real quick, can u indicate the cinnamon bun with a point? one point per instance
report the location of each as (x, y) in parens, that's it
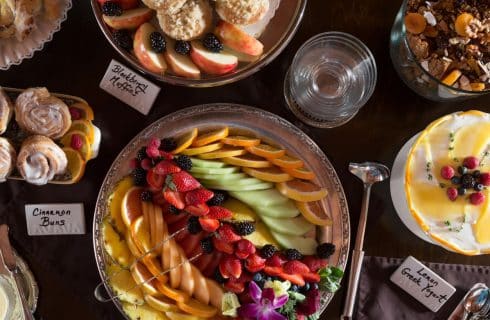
(6, 111)
(7, 159)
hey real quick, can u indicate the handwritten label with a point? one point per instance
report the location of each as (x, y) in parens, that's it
(129, 87)
(422, 283)
(55, 219)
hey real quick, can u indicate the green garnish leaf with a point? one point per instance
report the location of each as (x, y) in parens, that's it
(330, 278)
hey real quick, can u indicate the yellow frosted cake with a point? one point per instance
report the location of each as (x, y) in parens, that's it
(447, 182)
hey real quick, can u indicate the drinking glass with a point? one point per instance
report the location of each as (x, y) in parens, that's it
(332, 76)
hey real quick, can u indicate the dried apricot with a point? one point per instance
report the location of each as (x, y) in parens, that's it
(431, 32)
(452, 77)
(477, 86)
(415, 23)
(461, 23)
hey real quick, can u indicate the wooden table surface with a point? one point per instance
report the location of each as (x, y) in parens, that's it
(74, 63)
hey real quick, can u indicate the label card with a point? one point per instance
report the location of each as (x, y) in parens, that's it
(129, 87)
(55, 219)
(422, 284)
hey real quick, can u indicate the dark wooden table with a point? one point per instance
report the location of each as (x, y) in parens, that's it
(74, 63)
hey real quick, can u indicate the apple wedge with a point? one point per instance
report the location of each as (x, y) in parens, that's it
(175, 260)
(201, 291)
(187, 281)
(180, 64)
(130, 19)
(211, 62)
(237, 39)
(154, 62)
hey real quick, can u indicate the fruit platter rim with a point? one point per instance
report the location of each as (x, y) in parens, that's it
(239, 74)
(120, 163)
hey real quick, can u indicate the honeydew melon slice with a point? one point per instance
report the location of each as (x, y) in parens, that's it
(220, 177)
(225, 170)
(306, 246)
(207, 163)
(231, 183)
(260, 186)
(296, 227)
(281, 211)
(260, 198)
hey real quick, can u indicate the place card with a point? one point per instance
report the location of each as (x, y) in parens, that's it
(55, 219)
(129, 87)
(422, 284)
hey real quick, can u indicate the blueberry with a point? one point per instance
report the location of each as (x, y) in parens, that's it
(462, 170)
(461, 191)
(314, 286)
(456, 180)
(294, 288)
(257, 277)
(479, 187)
(305, 288)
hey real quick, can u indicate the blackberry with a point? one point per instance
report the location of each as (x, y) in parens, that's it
(218, 198)
(168, 144)
(184, 162)
(139, 177)
(182, 47)
(325, 250)
(157, 41)
(218, 276)
(173, 210)
(207, 245)
(141, 154)
(476, 174)
(212, 43)
(111, 8)
(244, 228)
(293, 254)
(193, 225)
(146, 196)
(467, 181)
(123, 39)
(267, 251)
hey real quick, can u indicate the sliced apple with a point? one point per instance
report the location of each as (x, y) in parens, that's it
(187, 280)
(154, 62)
(153, 265)
(215, 293)
(160, 229)
(180, 64)
(211, 62)
(201, 291)
(141, 236)
(242, 57)
(130, 19)
(166, 252)
(161, 303)
(237, 39)
(174, 294)
(141, 276)
(131, 206)
(198, 308)
(175, 260)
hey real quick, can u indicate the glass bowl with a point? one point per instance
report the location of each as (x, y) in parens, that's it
(285, 23)
(413, 74)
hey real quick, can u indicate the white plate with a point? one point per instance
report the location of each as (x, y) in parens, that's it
(13, 52)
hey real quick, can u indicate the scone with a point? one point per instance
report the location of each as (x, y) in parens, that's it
(242, 12)
(170, 6)
(193, 20)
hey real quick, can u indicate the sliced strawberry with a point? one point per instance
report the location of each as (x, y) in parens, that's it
(244, 248)
(155, 181)
(223, 246)
(175, 198)
(311, 277)
(314, 263)
(192, 244)
(209, 225)
(166, 155)
(171, 218)
(166, 167)
(184, 182)
(275, 261)
(203, 261)
(200, 209)
(230, 267)
(217, 212)
(235, 286)
(211, 267)
(293, 278)
(227, 234)
(198, 196)
(296, 267)
(178, 225)
(254, 263)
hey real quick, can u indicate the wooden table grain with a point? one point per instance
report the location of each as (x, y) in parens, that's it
(74, 63)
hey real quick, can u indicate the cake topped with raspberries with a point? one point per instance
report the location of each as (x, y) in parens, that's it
(448, 179)
(212, 225)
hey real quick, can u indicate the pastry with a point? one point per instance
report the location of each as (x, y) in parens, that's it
(7, 159)
(6, 110)
(7, 18)
(17, 17)
(192, 21)
(447, 182)
(242, 12)
(38, 112)
(40, 159)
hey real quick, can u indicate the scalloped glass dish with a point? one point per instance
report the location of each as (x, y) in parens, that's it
(13, 52)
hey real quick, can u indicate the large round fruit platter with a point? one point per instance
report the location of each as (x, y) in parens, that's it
(221, 211)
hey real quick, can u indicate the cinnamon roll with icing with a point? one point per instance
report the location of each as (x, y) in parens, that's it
(40, 159)
(38, 112)
(6, 110)
(7, 159)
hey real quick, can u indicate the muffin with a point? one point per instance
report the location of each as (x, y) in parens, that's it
(171, 6)
(194, 19)
(242, 12)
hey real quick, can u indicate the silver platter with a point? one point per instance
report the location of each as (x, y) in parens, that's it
(270, 128)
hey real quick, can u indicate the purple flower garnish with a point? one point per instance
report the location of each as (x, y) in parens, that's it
(265, 304)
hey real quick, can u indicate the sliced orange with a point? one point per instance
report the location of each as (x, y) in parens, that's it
(86, 127)
(163, 304)
(142, 277)
(302, 191)
(314, 213)
(131, 206)
(247, 160)
(241, 141)
(76, 164)
(198, 150)
(288, 162)
(300, 173)
(86, 111)
(141, 235)
(115, 202)
(224, 152)
(210, 137)
(85, 149)
(131, 245)
(153, 265)
(174, 294)
(185, 140)
(198, 309)
(266, 151)
(272, 174)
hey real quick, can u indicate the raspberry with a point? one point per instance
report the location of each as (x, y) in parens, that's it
(471, 162)
(75, 114)
(76, 142)
(485, 179)
(146, 164)
(152, 152)
(447, 172)
(325, 250)
(477, 198)
(154, 143)
(452, 194)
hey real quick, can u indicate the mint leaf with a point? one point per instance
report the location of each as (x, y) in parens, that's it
(330, 278)
(289, 309)
(314, 316)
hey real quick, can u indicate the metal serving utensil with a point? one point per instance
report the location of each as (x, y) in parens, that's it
(476, 303)
(369, 173)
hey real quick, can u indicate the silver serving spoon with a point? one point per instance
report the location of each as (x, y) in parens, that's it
(476, 303)
(370, 173)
